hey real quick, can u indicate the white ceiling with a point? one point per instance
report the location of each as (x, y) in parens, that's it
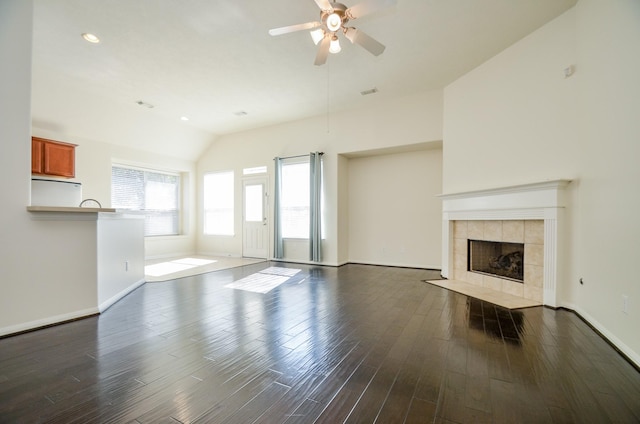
(209, 59)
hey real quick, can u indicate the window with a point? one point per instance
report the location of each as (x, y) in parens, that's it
(294, 202)
(155, 193)
(255, 170)
(218, 203)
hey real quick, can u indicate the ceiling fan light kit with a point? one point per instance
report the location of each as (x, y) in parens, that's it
(317, 35)
(333, 22)
(334, 46)
(333, 18)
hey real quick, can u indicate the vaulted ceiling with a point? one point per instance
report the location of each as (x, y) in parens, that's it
(214, 62)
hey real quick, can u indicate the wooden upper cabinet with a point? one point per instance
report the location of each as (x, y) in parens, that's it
(36, 155)
(49, 157)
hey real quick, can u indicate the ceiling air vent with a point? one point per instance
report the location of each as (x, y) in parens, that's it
(370, 91)
(145, 104)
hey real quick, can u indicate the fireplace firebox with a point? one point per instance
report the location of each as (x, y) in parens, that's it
(500, 259)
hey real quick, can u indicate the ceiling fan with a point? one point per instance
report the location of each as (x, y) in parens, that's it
(334, 17)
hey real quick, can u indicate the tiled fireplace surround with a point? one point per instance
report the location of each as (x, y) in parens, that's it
(529, 232)
(531, 214)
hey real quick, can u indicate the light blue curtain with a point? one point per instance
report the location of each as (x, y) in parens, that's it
(315, 213)
(278, 248)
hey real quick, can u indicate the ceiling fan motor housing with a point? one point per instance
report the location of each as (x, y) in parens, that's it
(339, 10)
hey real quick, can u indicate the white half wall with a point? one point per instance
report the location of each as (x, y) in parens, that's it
(519, 119)
(120, 256)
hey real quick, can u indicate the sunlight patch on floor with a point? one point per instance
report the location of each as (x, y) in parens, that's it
(164, 268)
(265, 280)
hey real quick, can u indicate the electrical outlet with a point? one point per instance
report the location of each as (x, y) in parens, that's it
(625, 303)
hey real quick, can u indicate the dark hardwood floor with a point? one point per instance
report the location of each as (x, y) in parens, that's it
(355, 344)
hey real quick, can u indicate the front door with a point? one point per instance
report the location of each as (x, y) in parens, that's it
(255, 230)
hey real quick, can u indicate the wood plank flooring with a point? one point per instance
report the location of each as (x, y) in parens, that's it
(355, 344)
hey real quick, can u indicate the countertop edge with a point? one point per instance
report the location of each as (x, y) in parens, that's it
(68, 209)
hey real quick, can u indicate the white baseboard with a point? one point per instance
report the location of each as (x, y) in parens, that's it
(336, 264)
(107, 303)
(44, 322)
(399, 265)
(220, 254)
(619, 344)
(303, 262)
(58, 319)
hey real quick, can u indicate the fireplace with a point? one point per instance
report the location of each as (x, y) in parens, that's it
(500, 259)
(501, 255)
(531, 215)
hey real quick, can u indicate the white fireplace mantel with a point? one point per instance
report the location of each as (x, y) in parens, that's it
(543, 201)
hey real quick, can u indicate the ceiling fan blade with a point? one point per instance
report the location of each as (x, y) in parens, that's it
(323, 51)
(366, 7)
(324, 4)
(294, 28)
(365, 41)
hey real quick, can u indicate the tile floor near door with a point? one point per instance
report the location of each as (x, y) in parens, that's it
(357, 344)
(185, 266)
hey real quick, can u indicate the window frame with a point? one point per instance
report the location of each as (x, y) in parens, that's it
(179, 211)
(290, 162)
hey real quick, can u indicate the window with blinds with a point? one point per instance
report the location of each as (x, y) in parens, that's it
(218, 204)
(156, 194)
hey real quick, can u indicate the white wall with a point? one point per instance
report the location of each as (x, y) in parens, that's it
(343, 208)
(517, 119)
(41, 281)
(395, 217)
(409, 120)
(512, 120)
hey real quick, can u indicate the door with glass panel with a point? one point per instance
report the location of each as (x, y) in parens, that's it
(255, 228)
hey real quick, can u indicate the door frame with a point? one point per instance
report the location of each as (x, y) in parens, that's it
(264, 180)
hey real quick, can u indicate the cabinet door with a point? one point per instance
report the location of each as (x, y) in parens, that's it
(37, 151)
(59, 159)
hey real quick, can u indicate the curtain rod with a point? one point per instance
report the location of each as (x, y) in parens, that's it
(297, 156)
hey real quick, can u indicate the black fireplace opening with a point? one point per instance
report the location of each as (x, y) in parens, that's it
(504, 260)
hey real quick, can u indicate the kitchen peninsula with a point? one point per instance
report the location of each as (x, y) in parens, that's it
(107, 246)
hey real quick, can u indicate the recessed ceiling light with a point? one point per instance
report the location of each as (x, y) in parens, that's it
(145, 104)
(92, 38)
(240, 113)
(184, 118)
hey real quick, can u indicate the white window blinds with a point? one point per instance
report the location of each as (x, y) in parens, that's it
(157, 194)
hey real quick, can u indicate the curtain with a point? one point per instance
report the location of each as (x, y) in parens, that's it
(315, 213)
(278, 248)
